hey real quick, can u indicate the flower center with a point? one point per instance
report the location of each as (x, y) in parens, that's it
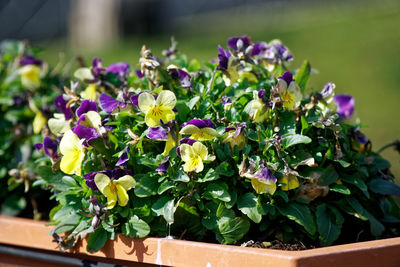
(113, 188)
(156, 111)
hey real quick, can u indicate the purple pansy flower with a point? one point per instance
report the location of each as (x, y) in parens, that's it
(287, 77)
(109, 104)
(87, 133)
(278, 52)
(200, 123)
(328, 89)
(243, 41)
(162, 169)
(188, 141)
(158, 133)
(123, 159)
(223, 58)
(259, 48)
(121, 69)
(226, 100)
(30, 60)
(265, 174)
(238, 130)
(139, 73)
(86, 106)
(345, 105)
(97, 68)
(182, 75)
(113, 174)
(49, 147)
(61, 106)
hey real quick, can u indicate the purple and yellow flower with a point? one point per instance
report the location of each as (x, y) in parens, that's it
(30, 60)
(263, 181)
(345, 105)
(184, 141)
(226, 102)
(289, 91)
(201, 130)
(194, 156)
(115, 190)
(113, 174)
(163, 168)
(257, 109)
(30, 71)
(164, 133)
(61, 106)
(278, 53)
(157, 111)
(235, 136)
(73, 153)
(290, 182)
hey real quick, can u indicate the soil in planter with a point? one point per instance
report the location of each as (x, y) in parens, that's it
(277, 244)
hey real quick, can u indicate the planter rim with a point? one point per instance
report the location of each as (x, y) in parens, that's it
(162, 251)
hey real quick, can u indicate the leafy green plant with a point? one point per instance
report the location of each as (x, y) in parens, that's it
(27, 87)
(233, 150)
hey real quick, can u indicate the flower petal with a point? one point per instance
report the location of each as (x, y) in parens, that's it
(71, 162)
(146, 101)
(123, 196)
(109, 104)
(102, 182)
(85, 107)
(166, 98)
(200, 149)
(126, 181)
(189, 129)
(187, 152)
(111, 198)
(70, 142)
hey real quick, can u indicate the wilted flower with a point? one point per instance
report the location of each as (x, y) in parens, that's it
(290, 182)
(49, 148)
(71, 147)
(181, 75)
(115, 190)
(123, 158)
(263, 181)
(162, 169)
(157, 110)
(193, 156)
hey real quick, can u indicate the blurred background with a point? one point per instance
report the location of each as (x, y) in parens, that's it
(355, 44)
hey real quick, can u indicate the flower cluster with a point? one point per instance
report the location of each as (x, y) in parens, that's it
(215, 149)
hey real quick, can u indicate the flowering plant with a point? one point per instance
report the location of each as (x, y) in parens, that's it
(236, 149)
(27, 87)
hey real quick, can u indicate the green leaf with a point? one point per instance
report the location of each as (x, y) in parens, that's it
(302, 75)
(328, 176)
(358, 182)
(233, 230)
(194, 65)
(165, 186)
(96, 240)
(211, 175)
(328, 229)
(137, 227)
(300, 214)
(180, 177)
(225, 169)
(301, 157)
(165, 206)
(384, 187)
(375, 226)
(304, 124)
(295, 139)
(288, 123)
(13, 205)
(146, 185)
(248, 204)
(217, 191)
(54, 179)
(339, 188)
(183, 110)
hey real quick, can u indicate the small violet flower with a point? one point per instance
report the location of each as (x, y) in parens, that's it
(49, 148)
(235, 136)
(201, 130)
(263, 181)
(121, 69)
(162, 169)
(257, 109)
(345, 105)
(289, 91)
(182, 75)
(239, 42)
(164, 133)
(223, 58)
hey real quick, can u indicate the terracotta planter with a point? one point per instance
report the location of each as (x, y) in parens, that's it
(33, 235)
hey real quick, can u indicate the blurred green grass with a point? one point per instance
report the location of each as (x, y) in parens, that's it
(355, 44)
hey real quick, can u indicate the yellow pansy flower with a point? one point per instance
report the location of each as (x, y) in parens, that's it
(90, 92)
(156, 110)
(193, 156)
(71, 147)
(30, 76)
(115, 190)
(58, 125)
(257, 109)
(38, 122)
(290, 181)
